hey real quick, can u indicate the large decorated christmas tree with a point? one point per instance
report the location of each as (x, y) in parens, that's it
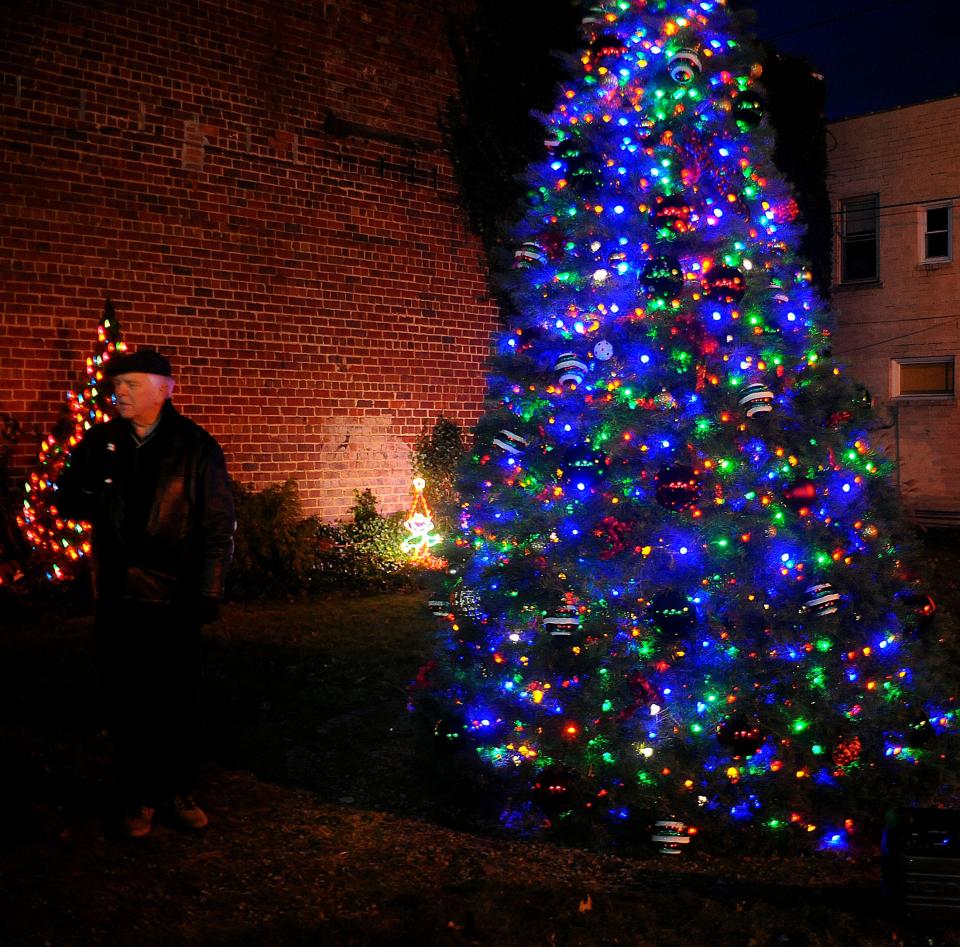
(678, 588)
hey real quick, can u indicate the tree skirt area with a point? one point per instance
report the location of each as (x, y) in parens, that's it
(277, 867)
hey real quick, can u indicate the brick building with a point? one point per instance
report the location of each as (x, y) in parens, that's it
(261, 188)
(894, 181)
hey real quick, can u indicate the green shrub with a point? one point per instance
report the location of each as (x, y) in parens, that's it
(437, 453)
(276, 547)
(364, 553)
(280, 552)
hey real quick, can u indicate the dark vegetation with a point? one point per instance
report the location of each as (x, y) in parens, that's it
(280, 552)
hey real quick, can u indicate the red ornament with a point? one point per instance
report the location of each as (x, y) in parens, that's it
(605, 45)
(677, 487)
(741, 735)
(925, 608)
(690, 175)
(553, 789)
(922, 605)
(645, 694)
(724, 284)
(616, 533)
(838, 418)
(800, 495)
(673, 212)
(786, 212)
(552, 242)
(847, 751)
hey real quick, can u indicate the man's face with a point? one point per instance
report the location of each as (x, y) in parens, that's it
(140, 396)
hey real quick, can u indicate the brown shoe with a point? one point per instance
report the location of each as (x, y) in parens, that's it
(138, 822)
(186, 814)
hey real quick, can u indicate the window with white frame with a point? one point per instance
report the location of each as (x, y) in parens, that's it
(936, 237)
(860, 239)
(920, 378)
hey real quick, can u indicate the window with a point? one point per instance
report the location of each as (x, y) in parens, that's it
(935, 222)
(922, 377)
(860, 246)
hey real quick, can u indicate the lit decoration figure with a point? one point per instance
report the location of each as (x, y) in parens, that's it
(702, 489)
(419, 524)
(59, 542)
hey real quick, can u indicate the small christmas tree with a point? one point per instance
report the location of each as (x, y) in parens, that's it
(59, 543)
(679, 591)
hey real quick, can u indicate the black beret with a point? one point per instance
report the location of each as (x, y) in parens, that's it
(149, 361)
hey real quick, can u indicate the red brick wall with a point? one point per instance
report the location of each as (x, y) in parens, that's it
(261, 188)
(909, 157)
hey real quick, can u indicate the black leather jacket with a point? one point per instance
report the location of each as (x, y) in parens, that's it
(187, 543)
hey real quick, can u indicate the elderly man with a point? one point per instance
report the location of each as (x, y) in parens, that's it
(154, 484)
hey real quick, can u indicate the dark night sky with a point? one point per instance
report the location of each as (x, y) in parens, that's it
(874, 54)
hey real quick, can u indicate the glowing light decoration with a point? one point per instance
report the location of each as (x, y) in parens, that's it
(59, 544)
(686, 596)
(419, 524)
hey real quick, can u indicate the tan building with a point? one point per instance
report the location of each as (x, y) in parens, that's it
(894, 181)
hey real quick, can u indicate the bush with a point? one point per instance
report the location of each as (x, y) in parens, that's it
(279, 552)
(276, 546)
(437, 454)
(364, 553)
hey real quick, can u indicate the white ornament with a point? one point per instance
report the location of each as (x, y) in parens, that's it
(756, 399)
(571, 369)
(603, 350)
(439, 607)
(528, 254)
(564, 623)
(671, 835)
(823, 600)
(510, 442)
(685, 66)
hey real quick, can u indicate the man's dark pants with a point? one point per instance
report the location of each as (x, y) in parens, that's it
(150, 662)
